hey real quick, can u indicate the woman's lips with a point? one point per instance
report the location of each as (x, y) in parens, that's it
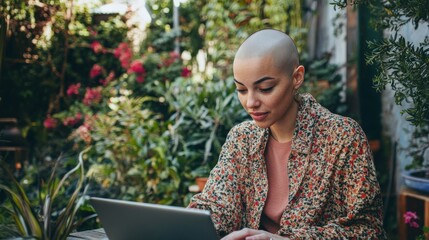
(259, 116)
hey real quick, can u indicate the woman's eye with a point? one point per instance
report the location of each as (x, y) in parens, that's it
(265, 90)
(241, 90)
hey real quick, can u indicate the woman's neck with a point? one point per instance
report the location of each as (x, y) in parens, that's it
(283, 130)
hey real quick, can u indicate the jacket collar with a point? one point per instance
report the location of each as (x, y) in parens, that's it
(301, 141)
(302, 137)
(304, 126)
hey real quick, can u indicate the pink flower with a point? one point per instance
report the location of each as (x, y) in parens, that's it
(97, 47)
(411, 218)
(84, 133)
(50, 123)
(117, 52)
(125, 59)
(140, 78)
(89, 121)
(124, 54)
(414, 225)
(173, 57)
(92, 32)
(136, 67)
(108, 79)
(71, 121)
(122, 47)
(92, 95)
(95, 71)
(73, 89)
(186, 72)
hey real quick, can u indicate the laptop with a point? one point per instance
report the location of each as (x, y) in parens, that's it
(134, 220)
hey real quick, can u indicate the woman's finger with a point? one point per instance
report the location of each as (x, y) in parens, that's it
(260, 236)
(241, 234)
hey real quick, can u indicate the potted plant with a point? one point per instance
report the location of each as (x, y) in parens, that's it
(47, 220)
(416, 175)
(201, 175)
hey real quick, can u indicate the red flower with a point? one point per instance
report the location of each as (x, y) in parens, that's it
(92, 95)
(411, 219)
(140, 79)
(186, 72)
(108, 79)
(136, 67)
(97, 47)
(95, 71)
(117, 52)
(92, 32)
(50, 123)
(89, 121)
(125, 59)
(73, 89)
(124, 54)
(122, 47)
(173, 57)
(71, 121)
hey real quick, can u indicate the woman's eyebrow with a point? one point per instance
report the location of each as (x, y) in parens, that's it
(235, 80)
(256, 82)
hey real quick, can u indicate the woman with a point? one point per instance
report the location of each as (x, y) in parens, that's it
(296, 171)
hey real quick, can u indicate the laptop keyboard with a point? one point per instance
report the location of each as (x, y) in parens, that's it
(98, 234)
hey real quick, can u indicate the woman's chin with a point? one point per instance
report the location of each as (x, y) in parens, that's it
(262, 124)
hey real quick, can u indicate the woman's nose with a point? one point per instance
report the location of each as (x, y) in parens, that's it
(252, 100)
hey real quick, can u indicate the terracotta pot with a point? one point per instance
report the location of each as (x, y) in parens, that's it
(201, 182)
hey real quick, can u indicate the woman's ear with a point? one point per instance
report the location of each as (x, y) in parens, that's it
(298, 76)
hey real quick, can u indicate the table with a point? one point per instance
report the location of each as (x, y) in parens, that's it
(414, 201)
(98, 234)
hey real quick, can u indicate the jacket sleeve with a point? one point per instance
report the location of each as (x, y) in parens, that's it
(356, 192)
(221, 194)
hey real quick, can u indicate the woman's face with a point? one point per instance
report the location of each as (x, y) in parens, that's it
(266, 92)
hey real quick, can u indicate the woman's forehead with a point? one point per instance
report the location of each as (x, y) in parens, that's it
(261, 65)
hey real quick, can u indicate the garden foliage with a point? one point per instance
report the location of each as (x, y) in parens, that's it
(402, 64)
(154, 119)
(52, 216)
(407, 72)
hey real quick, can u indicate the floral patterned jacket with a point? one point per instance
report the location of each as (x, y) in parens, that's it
(333, 190)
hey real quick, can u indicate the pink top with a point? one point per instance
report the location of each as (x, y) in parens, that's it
(276, 156)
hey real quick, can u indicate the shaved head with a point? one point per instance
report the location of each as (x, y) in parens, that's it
(270, 43)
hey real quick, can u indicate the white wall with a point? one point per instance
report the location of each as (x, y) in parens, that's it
(322, 38)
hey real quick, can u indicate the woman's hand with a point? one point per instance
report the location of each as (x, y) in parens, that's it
(252, 234)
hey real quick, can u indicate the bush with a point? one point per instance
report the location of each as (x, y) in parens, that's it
(152, 120)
